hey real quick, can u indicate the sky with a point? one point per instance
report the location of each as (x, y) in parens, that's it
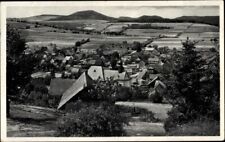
(116, 11)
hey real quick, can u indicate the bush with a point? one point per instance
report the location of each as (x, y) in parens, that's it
(204, 127)
(100, 120)
(124, 94)
(138, 94)
(156, 98)
(27, 27)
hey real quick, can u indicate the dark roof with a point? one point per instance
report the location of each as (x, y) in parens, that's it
(81, 83)
(58, 86)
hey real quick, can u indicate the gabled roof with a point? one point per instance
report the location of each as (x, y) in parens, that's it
(96, 72)
(81, 83)
(159, 87)
(58, 86)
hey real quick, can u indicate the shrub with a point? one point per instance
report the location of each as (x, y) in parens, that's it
(156, 98)
(138, 94)
(100, 120)
(27, 27)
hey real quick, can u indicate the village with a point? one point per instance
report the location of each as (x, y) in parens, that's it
(66, 68)
(88, 74)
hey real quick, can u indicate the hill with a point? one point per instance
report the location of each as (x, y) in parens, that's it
(43, 17)
(93, 15)
(212, 20)
(83, 15)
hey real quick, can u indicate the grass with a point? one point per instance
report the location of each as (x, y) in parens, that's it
(197, 128)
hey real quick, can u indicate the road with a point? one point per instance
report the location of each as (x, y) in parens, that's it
(138, 127)
(160, 110)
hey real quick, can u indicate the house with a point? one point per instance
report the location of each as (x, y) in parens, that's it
(74, 70)
(140, 77)
(128, 70)
(153, 61)
(142, 65)
(58, 86)
(59, 58)
(40, 74)
(126, 58)
(91, 62)
(97, 72)
(160, 87)
(152, 81)
(67, 58)
(77, 66)
(122, 78)
(80, 84)
(58, 75)
(149, 49)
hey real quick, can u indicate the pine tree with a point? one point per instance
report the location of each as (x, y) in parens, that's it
(184, 91)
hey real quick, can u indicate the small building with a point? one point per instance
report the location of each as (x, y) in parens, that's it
(91, 62)
(58, 86)
(58, 75)
(40, 74)
(153, 61)
(149, 49)
(80, 84)
(96, 72)
(74, 70)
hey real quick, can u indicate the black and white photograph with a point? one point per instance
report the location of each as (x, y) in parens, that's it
(113, 71)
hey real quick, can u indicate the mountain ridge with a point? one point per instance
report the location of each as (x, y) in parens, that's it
(93, 15)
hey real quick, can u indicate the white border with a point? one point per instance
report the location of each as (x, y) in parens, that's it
(109, 3)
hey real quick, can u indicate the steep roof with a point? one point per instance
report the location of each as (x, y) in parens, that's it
(58, 86)
(81, 83)
(96, 72)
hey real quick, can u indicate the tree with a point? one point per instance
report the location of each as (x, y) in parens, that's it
(121, 68)
(136, 46)
(184, 87)
(114, 58)
(19, 65)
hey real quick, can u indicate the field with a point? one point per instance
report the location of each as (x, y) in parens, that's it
(61, 33)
